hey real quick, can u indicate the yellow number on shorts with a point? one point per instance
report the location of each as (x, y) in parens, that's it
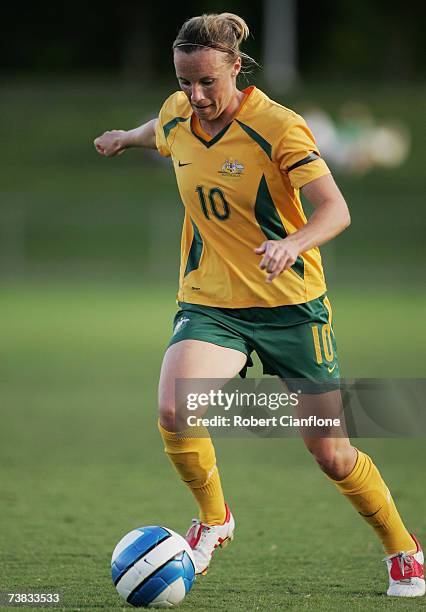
(326, 346)
(327, 343)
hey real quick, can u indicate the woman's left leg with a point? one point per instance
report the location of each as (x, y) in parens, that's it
(355, 475)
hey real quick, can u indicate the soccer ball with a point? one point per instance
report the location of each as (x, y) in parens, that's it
(153, 567)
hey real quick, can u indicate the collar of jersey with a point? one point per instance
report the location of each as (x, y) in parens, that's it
(203, 136)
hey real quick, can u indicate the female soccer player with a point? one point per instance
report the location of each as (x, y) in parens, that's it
(251, 276)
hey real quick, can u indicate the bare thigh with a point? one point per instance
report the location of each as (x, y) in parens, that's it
(192, 359)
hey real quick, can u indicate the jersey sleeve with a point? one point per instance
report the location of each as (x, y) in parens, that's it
(160, 137)
(298, 155)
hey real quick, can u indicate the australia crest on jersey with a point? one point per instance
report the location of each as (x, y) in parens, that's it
(231, 167)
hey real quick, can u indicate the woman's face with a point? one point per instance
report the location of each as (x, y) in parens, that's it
(207, 80)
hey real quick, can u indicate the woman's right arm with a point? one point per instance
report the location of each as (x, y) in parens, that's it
(116, 141)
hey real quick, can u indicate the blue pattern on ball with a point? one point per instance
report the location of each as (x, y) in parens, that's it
(189, 576)
(150, 537)
(180, 566)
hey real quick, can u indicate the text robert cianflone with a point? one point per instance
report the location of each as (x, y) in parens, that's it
(225, 400)
(252, 421)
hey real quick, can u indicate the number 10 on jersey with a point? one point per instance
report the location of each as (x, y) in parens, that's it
(218, 205)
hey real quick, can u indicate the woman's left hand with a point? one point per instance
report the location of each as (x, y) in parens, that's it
(278, 256)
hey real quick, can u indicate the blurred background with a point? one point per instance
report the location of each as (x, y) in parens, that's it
(89, 255)
(71, 71)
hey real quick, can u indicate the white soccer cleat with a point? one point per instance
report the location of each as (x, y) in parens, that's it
(204, 539)
(406, 575)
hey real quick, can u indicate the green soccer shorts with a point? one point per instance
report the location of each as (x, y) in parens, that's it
(292, 342)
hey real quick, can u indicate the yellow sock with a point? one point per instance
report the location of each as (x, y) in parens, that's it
(195, 461)
(368, 493)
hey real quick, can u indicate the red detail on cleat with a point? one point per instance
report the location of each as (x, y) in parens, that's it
(204, 539)
(418, 547)
(405, 566)
(194, 534)
(228, 514)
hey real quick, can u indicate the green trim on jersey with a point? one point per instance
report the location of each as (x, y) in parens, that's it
(306, 160)
(172, 124)
(299, 267)
(264, 144)
(209, 143)
(266, 213)
(195, 251)
(270, 223)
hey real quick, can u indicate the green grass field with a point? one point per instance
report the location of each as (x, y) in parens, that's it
(82, 463)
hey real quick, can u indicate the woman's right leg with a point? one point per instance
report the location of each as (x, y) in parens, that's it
(194, 457)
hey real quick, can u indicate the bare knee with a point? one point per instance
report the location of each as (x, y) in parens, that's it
(336, 457)
(171, 417)
(167, 414)
(167, 420)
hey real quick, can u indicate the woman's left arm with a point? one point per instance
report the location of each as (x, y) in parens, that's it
(330, 218)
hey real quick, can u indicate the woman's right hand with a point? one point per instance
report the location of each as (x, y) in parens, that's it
(111, 143)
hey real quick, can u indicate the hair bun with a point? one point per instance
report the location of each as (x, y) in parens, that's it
(224, 32)
(238, 25)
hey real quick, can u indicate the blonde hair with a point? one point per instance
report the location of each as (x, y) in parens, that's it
(224, 32)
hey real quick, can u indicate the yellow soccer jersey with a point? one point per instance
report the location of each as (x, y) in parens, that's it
(240, 188)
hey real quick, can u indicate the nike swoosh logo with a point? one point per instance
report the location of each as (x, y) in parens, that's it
(180, 164)
(372, 514)
(331, 369)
